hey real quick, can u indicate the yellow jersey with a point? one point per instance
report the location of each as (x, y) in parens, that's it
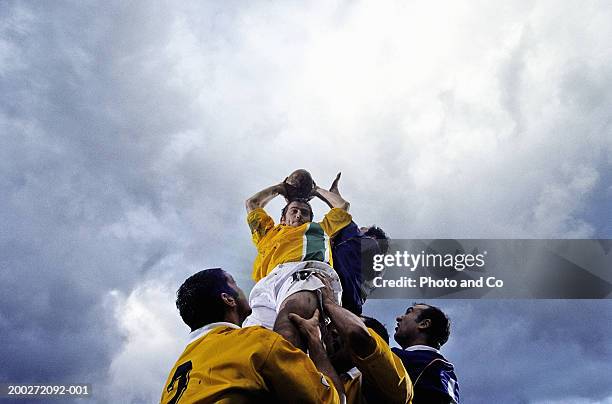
(227, 364)
(381, 374)
(277, 244)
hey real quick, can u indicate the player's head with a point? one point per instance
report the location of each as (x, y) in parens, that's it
(422, 324)
(337, 349)
(209, 296)
(379, 235)
(297, 212)
(377, 326)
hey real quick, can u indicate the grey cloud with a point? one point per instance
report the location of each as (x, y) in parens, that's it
(84, 123)
(511, 79)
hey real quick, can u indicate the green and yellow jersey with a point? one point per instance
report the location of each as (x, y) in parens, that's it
(277, 244)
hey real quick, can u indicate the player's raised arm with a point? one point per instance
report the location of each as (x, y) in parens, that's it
(332, 197)
(261, 198)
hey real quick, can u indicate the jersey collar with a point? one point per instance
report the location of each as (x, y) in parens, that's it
(202, 331)
(422, 348)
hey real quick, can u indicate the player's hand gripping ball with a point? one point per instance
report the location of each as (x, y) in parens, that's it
(299, 184)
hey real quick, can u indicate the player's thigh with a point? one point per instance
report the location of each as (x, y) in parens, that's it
(303, 303)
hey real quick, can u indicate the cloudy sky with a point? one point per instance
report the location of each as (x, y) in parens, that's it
(132, 132)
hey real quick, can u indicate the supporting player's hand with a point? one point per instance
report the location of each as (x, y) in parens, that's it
(314, 191)
(309, 328)
(283, 189)
(327, 291)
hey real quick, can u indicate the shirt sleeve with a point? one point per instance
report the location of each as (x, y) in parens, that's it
(259, 223)
(348, 232)
(384, 371)
(335, 220)
(291, 376)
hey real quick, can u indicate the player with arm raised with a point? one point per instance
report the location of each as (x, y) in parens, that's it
(289, 253)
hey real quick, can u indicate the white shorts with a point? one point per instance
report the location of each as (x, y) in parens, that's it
(270, 292)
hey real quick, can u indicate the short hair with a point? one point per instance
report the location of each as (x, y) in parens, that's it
(381, 237)
(302, 200)
(439, 331)
(199, 297)
(377, 326)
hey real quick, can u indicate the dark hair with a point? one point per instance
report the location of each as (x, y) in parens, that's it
(381, 237)
(377, 326)
(302, 200)
(199, 297)
(439, 331)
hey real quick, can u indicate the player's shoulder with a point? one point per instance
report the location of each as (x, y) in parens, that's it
(338, 215)
(382, 350)
(380, 342)
(265, 341)
(422, 357)
(259, 333)
(251, 339)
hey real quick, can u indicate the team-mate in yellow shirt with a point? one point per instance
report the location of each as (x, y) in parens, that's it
(288, 254)
(371, 372)
(224, 363)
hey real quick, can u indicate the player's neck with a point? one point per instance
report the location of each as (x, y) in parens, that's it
(421, 340)
(231, 316)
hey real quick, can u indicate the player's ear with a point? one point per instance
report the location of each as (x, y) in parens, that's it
(426, 323)
(228, 299)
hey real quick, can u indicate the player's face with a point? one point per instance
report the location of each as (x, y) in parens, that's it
(407, 326)
(242, 303)
(297, 214)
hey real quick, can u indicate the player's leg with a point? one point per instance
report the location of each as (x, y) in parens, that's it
(263, 304)
(303, 303)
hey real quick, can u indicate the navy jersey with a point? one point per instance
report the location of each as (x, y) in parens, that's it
(432, 375)
(347, 247)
